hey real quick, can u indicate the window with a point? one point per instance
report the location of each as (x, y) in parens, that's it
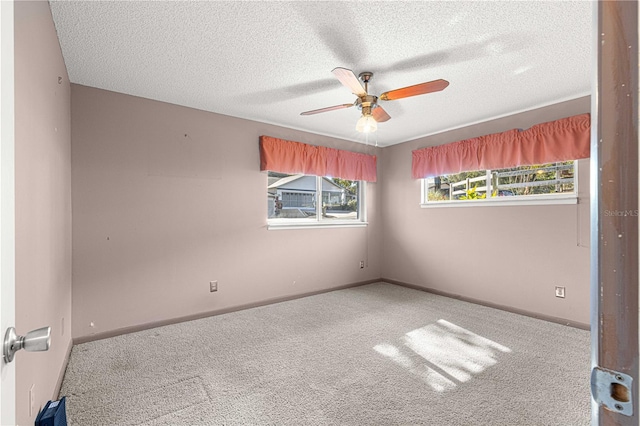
(547, 183)
(306, 200)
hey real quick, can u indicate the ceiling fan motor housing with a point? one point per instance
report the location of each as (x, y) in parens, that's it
(366, 103)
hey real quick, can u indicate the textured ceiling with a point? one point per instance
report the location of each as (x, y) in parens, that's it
(269, 61)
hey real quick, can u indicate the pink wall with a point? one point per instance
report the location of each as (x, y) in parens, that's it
(510, 256)
(157, 215)
(43, 202)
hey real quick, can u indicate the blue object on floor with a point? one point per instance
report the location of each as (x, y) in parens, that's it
(54, 413)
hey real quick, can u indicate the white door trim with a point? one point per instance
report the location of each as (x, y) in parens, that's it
(7, 206)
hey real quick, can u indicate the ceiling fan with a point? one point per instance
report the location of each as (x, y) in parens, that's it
(372, 113)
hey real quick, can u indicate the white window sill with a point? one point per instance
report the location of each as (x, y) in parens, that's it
(506, 201)
(277, 224)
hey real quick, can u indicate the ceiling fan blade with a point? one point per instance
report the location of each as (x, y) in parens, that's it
(349, 80)
(380, 114)
(418, 89)
(331, 108)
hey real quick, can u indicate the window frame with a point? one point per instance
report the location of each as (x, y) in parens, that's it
(518, 200)
(318, 221)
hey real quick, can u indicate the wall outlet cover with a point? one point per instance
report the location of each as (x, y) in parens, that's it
(560, 291)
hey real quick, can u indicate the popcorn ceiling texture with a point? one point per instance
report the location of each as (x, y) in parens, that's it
(269, 61)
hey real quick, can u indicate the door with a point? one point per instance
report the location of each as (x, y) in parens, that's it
(7, 228)
(614, 216)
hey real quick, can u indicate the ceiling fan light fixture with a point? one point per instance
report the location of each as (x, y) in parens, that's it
(366, 124)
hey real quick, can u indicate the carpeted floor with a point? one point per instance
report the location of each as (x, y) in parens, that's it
(378, 354)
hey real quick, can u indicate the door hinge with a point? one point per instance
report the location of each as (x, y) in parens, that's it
(612, 390)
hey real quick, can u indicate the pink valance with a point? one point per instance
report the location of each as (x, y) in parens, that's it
(279, 155)
(561, 140)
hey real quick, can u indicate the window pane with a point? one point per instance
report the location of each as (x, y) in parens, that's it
(291, 196)
(539, 179)
(340, 199)
(295, 197)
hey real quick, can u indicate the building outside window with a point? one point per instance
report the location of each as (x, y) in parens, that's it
(295, 198)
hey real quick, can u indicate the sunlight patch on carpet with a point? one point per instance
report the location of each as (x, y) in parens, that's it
(436, 381)
(448, 354)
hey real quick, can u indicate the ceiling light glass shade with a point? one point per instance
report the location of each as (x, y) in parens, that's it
(366, 124)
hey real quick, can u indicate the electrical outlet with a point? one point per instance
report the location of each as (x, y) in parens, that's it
(560, 291)
(362, 264)
(213, 286)
(32, 400)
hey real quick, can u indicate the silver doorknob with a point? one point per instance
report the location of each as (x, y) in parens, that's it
(35, 341)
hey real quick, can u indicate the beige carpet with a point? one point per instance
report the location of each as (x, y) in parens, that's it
(373, 355)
